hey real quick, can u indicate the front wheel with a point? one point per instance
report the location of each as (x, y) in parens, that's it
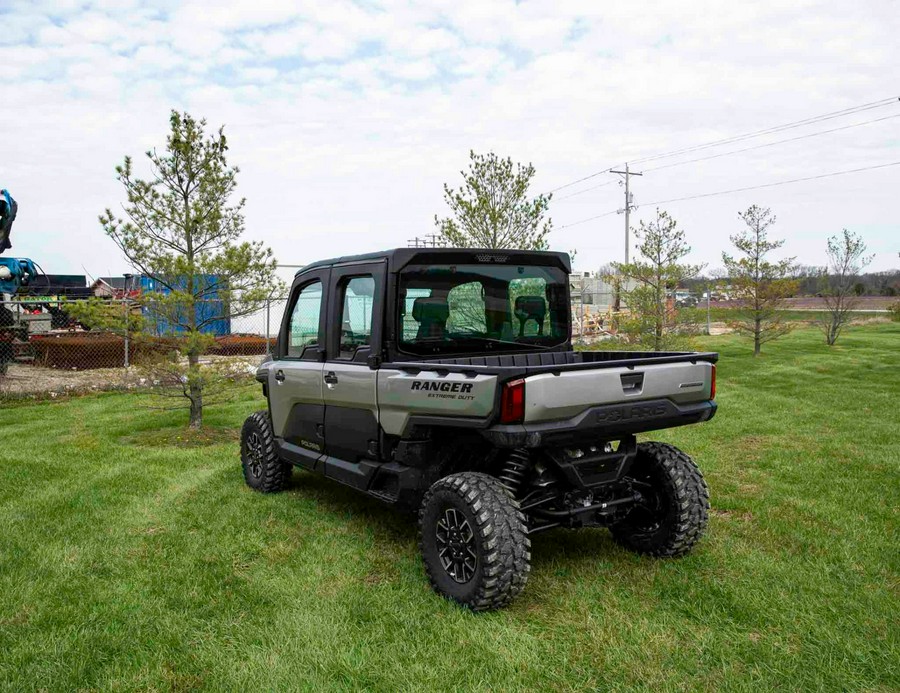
(674, 509)
(264, 470)
(474, 541)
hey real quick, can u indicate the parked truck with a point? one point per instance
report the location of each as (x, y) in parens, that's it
(443, 381)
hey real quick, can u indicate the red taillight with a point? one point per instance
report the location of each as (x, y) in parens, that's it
(712, 388)
(512, 402)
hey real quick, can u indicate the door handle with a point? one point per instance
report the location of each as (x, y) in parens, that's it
(279, 376)
(330, 379)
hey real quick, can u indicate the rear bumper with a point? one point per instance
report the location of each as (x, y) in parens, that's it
(602, 422)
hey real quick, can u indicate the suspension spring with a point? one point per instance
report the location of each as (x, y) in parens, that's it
(514, 470)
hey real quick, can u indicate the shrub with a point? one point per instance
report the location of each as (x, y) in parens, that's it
(894, 309)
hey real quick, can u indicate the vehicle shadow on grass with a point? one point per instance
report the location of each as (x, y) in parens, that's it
(552, 548)
(351, 505)
(568, 546)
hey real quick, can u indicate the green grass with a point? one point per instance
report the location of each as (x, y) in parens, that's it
(133, 557)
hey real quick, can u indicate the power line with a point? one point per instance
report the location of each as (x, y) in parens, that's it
(734, 190)
(580, 180)
(770, 144)
(586, 190)
(584, 221)
(772, 185)
(737, 138)
(774, 129)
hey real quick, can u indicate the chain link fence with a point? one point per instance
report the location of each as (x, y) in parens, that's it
(593, 306)
(44, 349)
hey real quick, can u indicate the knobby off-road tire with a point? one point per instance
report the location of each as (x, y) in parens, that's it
(263, 470)
(673, 515)
(474, 516)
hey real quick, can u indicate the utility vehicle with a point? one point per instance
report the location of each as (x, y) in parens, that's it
(444, 381)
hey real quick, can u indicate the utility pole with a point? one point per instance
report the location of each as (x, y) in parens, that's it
(629, 205)
(431, 240)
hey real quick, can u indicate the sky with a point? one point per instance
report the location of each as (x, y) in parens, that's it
(346, 118)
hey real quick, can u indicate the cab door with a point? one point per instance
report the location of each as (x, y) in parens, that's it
(295, 378)
(350, 383)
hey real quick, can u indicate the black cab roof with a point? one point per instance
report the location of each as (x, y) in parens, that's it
(398, 258)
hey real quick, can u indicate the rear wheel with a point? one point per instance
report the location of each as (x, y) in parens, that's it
(674, 510)
(263, 468)
(474, 541)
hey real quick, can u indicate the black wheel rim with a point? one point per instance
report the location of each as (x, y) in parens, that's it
(254, 455)
(456, 545)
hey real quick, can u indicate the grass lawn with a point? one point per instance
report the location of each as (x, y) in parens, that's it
(133, 556)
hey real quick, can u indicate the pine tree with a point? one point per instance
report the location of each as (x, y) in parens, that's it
(179, 230)
(492, 208)
(652, 319)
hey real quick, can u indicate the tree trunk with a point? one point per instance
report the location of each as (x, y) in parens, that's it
(195, 390)
(756, 334)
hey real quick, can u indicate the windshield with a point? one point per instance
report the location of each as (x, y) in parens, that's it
(449, 309)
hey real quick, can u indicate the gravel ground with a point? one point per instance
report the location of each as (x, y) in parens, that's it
(31, 380)
(23, 379)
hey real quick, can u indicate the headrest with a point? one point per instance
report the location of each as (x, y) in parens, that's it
(431, 309)
(530, 307)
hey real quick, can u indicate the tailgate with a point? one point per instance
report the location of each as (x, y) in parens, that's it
(565, 394)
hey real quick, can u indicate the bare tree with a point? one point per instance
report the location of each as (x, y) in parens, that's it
(846, 260)
(759, 286)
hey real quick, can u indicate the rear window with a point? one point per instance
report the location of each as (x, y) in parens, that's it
(482, 308)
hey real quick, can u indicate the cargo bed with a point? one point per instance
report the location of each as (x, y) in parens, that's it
(519, 365)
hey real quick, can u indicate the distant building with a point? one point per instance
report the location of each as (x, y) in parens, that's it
(588, 289)
(212, 312)
(108, 287)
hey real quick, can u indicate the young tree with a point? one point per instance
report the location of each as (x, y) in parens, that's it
(179, 230)
(492, 208)
(760, 286)
(846, 260)
(653, 320)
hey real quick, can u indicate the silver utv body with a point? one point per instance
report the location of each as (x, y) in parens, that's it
(333, 400)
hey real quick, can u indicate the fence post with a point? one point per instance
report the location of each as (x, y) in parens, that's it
(708, 293)
(125, 306)
(268, 342)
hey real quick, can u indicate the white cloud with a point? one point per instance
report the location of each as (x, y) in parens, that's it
(346, 118)
(478, 60)
(417, 69)
(156, 57)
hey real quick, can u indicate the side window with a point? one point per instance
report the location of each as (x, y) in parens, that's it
(356, 314)
(304, 327)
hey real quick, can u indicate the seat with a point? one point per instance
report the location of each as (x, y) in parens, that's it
(530, 308)
(431, 313)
